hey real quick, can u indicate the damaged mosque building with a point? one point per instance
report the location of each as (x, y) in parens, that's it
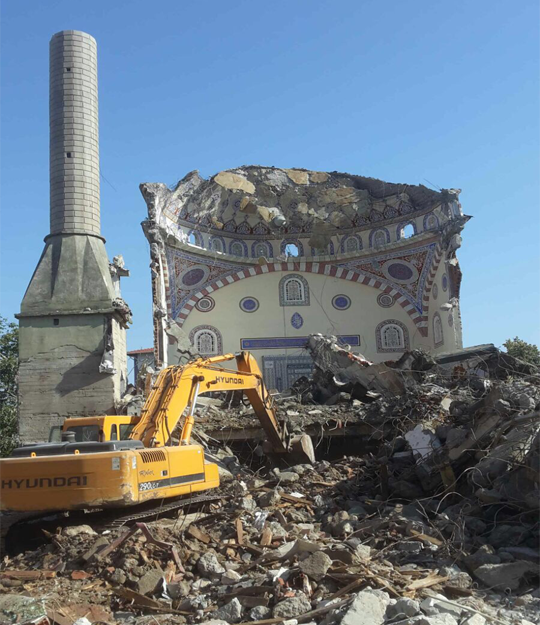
(258, 258)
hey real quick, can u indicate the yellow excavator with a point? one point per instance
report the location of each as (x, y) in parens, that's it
(118, 461)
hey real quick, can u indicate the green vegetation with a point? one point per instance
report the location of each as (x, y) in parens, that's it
(9, 364)
(523, 350)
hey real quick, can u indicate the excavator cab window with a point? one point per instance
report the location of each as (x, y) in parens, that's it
(85, 433)
(114, 432)
(55, 434)
(125, 431)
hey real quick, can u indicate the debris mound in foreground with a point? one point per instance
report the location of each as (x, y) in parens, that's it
(433, 522)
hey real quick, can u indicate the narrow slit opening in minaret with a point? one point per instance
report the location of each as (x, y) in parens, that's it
(68, 154)
(56, 322)
(68, 69)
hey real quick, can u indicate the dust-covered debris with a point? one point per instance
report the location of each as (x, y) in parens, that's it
(435, 521)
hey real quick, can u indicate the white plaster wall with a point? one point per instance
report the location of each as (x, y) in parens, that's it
(273, 320)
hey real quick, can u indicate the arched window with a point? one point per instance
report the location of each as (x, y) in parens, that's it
(293, 291)
(379, 238)
(291, 249)
(216, 245)
(438, 336)
(431, 222)
(260, 249)
(406, 231)
(236, 249)
(392, 336)
(195, 238)
(352, 244)
(206, 340)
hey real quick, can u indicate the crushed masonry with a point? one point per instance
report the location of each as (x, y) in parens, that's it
(429, 516)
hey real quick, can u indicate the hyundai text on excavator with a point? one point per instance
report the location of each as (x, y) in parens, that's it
(108, 472)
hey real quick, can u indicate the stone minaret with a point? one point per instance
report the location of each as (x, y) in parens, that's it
(72, 321)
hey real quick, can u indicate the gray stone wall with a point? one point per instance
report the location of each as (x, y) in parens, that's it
(59, 372)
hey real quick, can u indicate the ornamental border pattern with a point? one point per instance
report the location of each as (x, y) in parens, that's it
(182, 224)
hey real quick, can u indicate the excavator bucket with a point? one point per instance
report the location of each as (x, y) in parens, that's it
(302, 447)
(300, 451)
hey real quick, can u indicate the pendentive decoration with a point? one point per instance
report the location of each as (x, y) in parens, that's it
(296, 321)
(249, 304)
(435, 290)
(205, 304)
(341, 302)
(385, 300)
(400, 271)
(193, 276)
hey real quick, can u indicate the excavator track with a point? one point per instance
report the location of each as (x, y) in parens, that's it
(156, 511)
(104, 519)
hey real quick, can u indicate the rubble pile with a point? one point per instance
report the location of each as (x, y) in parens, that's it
(435, 525)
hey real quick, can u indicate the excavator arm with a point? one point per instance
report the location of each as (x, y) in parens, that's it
(178, 387)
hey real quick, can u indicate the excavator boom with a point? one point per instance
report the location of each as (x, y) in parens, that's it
(178, 387)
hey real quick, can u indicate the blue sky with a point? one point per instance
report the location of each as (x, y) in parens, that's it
(411, 92)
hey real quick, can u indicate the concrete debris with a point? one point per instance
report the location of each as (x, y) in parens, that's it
(230, 612)
(422, 507)
(367, 608)
(291, 607)
(316, 565)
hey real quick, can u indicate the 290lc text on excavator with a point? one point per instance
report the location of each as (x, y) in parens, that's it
(117, 461)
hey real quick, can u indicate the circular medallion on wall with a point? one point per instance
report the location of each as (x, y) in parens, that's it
(444, 282)
(435, 291)
(450, 319)
(341, 302)
(400, 271)
(297, 321)
(193, 277)
(205, 304)
(385, 300)
(249, 304)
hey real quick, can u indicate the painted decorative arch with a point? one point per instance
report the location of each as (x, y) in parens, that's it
(327, 269)
(242, 244)
(351, 237)
(431, 222)
(269, 253)
(438, 332)
(220, 239)
(329, 250)
(373, 234)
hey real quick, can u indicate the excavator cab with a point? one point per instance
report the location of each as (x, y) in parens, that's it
(97, 429)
